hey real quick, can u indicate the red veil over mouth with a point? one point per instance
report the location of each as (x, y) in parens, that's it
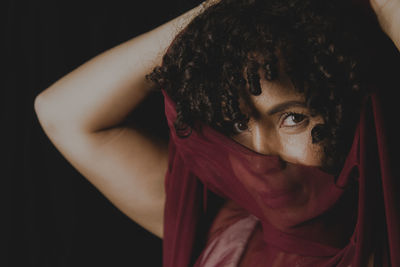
(289, 214)
(278, 213)
(286, 214)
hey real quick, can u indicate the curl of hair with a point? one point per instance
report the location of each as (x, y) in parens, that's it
(323, 46)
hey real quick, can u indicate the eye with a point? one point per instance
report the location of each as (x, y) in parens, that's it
(293, 119)
(240, 126)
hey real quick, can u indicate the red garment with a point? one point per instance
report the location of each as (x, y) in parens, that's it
(283, 214)
(280, 214)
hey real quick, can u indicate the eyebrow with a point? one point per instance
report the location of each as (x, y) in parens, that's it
(285, 105)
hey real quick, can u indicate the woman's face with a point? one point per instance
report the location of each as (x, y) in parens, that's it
(279, 124)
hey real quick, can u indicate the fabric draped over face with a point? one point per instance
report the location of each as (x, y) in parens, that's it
(294, 215)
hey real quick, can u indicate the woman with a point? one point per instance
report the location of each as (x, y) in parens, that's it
(269, 105)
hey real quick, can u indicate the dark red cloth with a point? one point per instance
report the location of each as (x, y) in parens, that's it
(286, 210)
(280, 214)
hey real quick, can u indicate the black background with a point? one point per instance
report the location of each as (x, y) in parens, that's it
(53, 216)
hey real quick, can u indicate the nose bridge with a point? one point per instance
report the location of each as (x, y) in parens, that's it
(262, 139)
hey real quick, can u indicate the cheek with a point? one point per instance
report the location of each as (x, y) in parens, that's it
(298, 148)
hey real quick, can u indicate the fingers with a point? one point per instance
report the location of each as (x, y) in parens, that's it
(388, 14)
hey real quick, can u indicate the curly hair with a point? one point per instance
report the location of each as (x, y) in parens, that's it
(325, 48)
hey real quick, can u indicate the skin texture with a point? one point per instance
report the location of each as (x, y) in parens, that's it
(280, 124)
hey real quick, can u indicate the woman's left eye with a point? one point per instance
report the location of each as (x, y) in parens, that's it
(293, 119)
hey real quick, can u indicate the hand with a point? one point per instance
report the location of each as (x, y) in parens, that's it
(388, 14)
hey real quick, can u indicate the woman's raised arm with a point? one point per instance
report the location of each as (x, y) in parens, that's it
(81, 114)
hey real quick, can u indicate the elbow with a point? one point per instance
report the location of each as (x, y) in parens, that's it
(42, 112)
(39, 107)
(52, 119)
(37, 103)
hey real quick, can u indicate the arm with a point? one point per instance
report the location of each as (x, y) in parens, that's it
(388, 14)
(82, 114)
(87, 96)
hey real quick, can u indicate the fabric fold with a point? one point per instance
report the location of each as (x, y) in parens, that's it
(339, 221)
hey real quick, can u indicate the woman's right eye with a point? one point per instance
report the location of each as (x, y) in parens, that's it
(240, 127)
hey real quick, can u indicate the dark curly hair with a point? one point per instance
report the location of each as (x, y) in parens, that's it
(325, 48)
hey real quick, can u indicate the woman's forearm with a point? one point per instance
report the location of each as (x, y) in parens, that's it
(100, 93)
